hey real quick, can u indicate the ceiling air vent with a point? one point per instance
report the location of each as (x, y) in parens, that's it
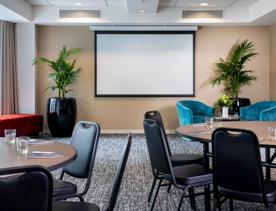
(79, 13)
(202, 14)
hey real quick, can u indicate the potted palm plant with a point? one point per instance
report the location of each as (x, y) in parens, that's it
(233, 73)
(61, 110)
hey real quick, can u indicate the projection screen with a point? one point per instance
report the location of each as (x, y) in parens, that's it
(144, 63)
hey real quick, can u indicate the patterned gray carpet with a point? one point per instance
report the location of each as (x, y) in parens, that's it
(138, 177)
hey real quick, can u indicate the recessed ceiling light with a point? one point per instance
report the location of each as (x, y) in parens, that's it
(142, 11)
(78, 4)
(204, 4)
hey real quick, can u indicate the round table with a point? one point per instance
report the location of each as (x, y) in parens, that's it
(200, 132)
(10, 158)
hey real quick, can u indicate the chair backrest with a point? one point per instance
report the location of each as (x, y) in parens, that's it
(237, 161)
(252, 112)
(268, 114)
(85, 140)
(155, 115)
(26, 189)
(264, 105)
(158, 150)
(119, 176)
(197, 107)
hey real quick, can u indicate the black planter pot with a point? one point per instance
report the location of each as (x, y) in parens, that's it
(61, 116)
(237, 104)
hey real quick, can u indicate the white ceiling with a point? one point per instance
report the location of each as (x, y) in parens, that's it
(9, 15)
(144, 12)
(189, 4)
(71, 3)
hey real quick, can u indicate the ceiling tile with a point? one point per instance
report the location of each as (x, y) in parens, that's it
(195, 4)
(71, 3)
(38, 2)
(242, 3)
(116, 2)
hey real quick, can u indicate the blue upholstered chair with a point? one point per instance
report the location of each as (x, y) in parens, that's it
(191, 111)
(268, 114)
(253, 112)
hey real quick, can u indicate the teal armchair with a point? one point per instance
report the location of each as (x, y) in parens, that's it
(254, 111)
(268, 114)
(191, 112)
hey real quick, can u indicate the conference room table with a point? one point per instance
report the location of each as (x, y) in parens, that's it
(203, 134)
(10, 158)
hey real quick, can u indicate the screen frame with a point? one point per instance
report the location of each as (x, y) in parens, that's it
(96, 94)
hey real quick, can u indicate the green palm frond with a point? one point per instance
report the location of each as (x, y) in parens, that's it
(64, 72)
(232, 72)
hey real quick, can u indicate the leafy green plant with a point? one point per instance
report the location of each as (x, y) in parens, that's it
(232, 70)
(224, 101)
(64, 72)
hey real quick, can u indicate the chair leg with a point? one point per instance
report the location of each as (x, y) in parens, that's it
(61, 175)
(192, 198)
(207, 198)
(81, 198)
(231, 204)
(215, 204)
(181, 200)
(270, 207)
(219, 204)
(169, 188)
(152, 187)
(156, 193)
(217, 200)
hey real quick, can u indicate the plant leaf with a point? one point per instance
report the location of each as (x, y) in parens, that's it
(64, 72)
(232, 72)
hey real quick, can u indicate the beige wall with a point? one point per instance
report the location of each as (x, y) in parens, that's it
(127, 113)
(273, 62)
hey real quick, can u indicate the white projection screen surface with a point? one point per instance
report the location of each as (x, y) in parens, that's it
(145, 64)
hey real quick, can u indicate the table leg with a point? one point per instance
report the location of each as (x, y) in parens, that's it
(205, 155)
(267, 168)
(207, 197)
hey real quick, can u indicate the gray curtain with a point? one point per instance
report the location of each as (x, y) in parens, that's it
(8, 72)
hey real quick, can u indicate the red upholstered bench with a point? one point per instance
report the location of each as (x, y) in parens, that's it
(25, 124)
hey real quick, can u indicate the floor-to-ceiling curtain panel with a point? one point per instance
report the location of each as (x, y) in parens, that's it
(8, 72)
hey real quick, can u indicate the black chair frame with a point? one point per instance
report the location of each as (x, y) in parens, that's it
(219, 198)
(88, 180)
(163, 176)
(119, 176)
(19, 171)
(114, 189)
(155, 115)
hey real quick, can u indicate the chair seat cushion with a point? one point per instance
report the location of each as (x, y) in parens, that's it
(62, 188)
(74, 206)
(193, 175)
(270, 189)
(184, 159)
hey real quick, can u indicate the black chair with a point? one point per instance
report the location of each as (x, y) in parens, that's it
(182, 177)
(85, 140)
(31, 188)
(73, 206)
(237, 169)
(176, 159)
(30, 191)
